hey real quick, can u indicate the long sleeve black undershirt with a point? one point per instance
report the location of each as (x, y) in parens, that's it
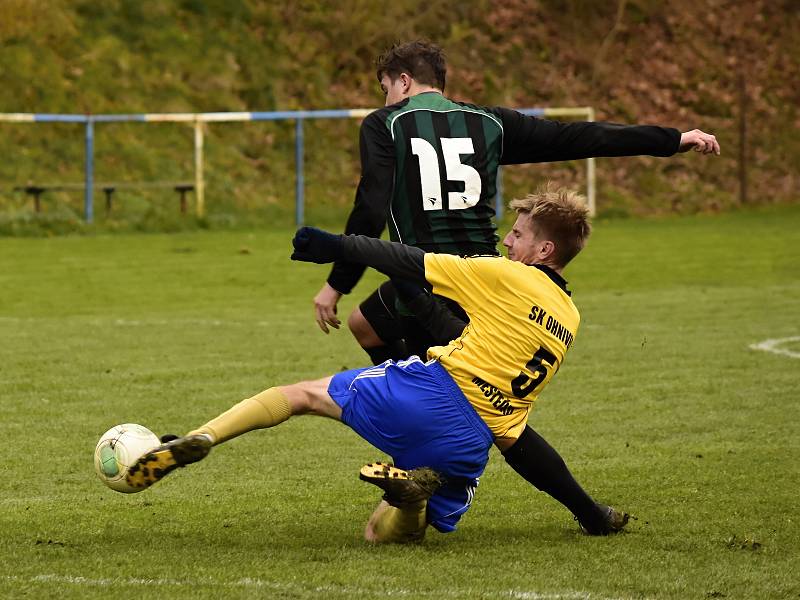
(390, 258)
(373, 195)
(531, 140)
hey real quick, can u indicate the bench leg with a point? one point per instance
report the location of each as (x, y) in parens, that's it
(109, 192)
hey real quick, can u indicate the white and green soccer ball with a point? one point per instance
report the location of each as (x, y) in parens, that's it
(118, 450)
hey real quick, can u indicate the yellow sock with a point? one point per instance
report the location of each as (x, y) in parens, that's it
(267, 409)
(402, 525)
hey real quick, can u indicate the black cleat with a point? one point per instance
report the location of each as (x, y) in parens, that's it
(168, 437)
(614, 520)
(402, 487)
(157, 463)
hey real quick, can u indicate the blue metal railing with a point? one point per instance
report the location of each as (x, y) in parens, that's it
(199, 119)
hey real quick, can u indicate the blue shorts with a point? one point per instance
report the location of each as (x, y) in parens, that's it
(415, 412)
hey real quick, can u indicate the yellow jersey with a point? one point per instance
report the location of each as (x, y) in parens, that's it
(522, 321)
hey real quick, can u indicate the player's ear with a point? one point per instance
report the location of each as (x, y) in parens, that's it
(406, 80)
(547, 250)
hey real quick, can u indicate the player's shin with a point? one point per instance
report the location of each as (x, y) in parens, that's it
(539, 463)
(401, 517)
(267, 409)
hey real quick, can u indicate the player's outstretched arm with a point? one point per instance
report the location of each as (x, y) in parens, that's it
(395, 260)
(700, 141)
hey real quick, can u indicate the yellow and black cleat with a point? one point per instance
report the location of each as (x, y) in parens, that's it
(401, 487)
(157, 463)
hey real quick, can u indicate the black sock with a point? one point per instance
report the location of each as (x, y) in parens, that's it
(538, 462)
(395, 350)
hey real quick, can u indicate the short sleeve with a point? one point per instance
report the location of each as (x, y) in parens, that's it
(468, 281)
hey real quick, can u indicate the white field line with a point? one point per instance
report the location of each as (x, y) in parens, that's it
(774, 346)
(250, 583)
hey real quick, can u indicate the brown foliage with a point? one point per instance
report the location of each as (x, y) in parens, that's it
(677, 63)
(643, 61)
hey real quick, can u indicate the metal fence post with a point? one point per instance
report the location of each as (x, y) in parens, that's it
(498, 198)
(591, 182)
(199, 181)
(88, 191)
(299, 152)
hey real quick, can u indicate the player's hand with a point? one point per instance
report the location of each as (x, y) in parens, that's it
(700, 141)
(317, 246)
(325, 308)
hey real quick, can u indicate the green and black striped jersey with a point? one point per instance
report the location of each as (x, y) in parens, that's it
(429, 169)
(445, 175)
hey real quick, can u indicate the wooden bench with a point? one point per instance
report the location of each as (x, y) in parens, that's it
(37, 189)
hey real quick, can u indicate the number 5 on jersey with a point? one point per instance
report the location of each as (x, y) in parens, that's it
(522, 384)
(430, 178)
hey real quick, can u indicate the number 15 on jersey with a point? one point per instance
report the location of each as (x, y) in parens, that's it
(431, 179)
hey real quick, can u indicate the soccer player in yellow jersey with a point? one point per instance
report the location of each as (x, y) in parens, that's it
(437, 419)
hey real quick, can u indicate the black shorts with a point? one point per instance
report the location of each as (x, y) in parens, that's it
(384, 311)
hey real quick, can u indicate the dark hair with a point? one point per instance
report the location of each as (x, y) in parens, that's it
(423, 60)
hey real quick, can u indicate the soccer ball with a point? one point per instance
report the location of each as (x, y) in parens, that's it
(118, 450)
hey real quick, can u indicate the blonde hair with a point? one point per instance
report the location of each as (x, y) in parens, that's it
(560, 215)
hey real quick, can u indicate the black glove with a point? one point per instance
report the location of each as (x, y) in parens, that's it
(317, 246)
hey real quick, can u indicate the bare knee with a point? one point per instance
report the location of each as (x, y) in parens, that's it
(311, 397)
(361, 329)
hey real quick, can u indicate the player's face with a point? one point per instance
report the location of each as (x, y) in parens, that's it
(396, 90)
(521, 242)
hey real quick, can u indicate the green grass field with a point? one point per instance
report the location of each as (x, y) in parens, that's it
(662, 408)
